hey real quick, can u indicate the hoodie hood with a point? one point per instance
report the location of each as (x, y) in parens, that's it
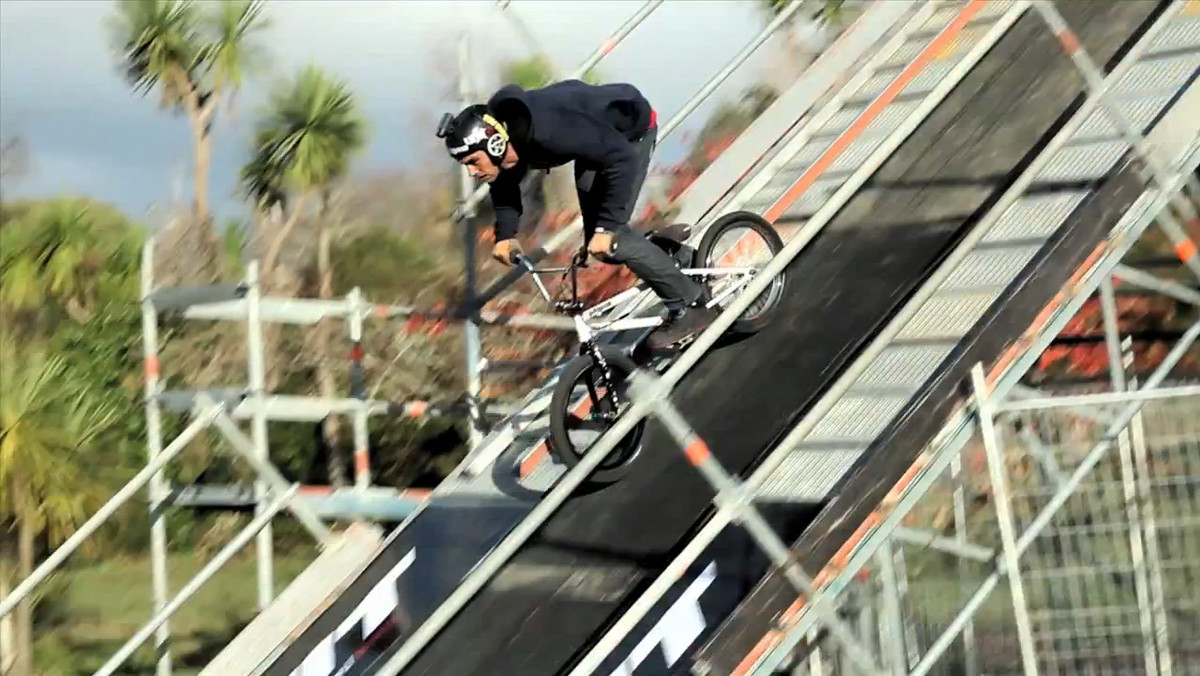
(510, 105)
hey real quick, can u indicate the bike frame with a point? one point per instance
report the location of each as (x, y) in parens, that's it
(587, 324)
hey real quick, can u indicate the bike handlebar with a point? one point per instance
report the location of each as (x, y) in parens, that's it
(511, 276)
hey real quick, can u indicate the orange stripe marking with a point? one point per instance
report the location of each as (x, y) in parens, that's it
(537, 455)
(837, 562)
(697, 452)
(362, 461)
(531, 461)
(928, 55)
(937, 46)
(1069, 40)
(1185, 250)
(151, 366)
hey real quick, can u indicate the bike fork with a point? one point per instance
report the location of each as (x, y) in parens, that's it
(606, 374)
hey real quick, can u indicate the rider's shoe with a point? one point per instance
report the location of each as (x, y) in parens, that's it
(680, 325)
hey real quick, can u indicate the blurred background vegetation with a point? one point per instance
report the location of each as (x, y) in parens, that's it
(72, 427)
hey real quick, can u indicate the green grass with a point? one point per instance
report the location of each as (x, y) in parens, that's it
(89, 612)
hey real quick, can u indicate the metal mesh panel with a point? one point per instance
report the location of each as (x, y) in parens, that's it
(1034, 217)
(947, 316)
(1159, 75)
(923, 82)
(1109, 582)
(900, 365)
(857, 417)
(1184, 31)
(1084, 162)
(889, 118)
(990, 268)
(809, 475)
(1117, 566)
(1139, 111)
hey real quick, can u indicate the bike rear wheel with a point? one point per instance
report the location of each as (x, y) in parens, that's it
(742, 240)
(575, 425)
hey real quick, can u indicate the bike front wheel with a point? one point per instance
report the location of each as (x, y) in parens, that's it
(741, 240)
(582, 409)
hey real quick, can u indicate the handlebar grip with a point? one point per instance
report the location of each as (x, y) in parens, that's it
(504, 282)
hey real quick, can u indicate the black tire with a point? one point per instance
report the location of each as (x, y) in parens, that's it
(620, 461)
(753, 319)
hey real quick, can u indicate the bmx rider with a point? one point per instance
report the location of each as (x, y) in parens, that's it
(609, 131)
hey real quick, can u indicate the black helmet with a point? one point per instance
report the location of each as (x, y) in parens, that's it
(473, 129)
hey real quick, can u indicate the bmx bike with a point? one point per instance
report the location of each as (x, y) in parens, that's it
(602, 371)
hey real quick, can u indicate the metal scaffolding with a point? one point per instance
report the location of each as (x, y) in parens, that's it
(1037, 635)
(887, 638)
(1166, 179)
(222, 408)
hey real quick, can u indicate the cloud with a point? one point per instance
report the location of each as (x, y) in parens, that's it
(60, 85)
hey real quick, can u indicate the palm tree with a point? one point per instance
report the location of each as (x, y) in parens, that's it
(73, 252)
(196, 60)
(303, 146)
(305, 142)
(44, 488)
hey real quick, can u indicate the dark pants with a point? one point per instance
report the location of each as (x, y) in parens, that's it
(651, 264)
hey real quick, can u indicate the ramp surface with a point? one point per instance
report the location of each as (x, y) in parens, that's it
(594, 555)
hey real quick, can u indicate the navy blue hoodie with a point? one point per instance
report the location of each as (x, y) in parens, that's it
(593, 125)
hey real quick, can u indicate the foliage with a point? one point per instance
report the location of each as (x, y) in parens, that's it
(45, 431)
(191, 54)
(309, 132)
(71, 253)
(538, 71)
(830, 10)
(197, 56)
(69, 285)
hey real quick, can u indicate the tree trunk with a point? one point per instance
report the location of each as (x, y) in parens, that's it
(23, 634)
(272, 256)
(202, 147)
(200, 111)
(8, 558)
(331, 425)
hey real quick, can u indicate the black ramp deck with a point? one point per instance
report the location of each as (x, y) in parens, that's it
(599, 550)
(896, 449)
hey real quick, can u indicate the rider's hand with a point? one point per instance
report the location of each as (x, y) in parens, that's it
(505, 249)
(601, 243)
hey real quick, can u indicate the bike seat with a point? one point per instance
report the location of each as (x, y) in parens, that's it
(675, 233)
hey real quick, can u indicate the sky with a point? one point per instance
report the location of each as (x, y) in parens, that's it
(87, 132)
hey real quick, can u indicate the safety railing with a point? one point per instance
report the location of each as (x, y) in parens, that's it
(569, 481)
(244, 301)
(1168, 181)
(276, 494)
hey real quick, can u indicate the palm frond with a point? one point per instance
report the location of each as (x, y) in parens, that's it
(159, 42)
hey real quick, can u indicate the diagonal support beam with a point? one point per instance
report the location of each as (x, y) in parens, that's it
(734, 499)
(986, 409)
(271, 476)
(1056, 502)
(203, 419)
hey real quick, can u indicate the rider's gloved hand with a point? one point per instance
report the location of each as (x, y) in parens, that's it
(601, 244)
(505, 250)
